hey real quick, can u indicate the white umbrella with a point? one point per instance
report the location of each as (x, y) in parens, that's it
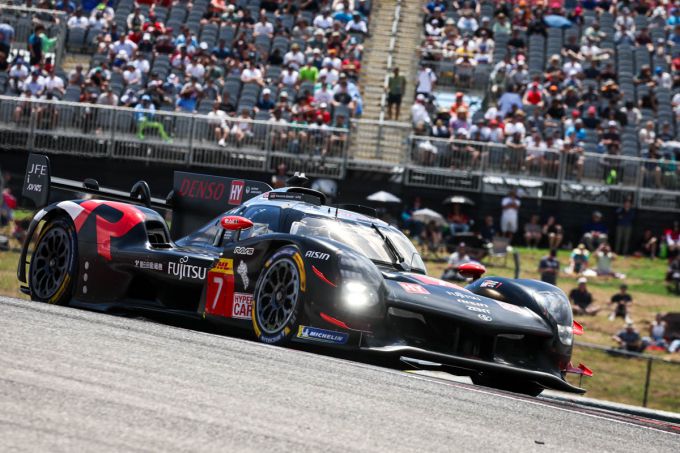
(427, 215)
(384, 197)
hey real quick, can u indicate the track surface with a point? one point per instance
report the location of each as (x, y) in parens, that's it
(72, 380)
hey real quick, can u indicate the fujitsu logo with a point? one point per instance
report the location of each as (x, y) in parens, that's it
(184, 270)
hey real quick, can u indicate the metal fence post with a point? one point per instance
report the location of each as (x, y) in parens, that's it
(561, 173)
(378, 148)
(30, 145)
(114, 121)
(345, 151)
(192, 129)
(649, 373)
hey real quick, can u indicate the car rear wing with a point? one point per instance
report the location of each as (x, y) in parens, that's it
(195, 198)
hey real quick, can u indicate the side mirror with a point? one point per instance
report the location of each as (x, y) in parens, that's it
(471, 270)
(235, 223)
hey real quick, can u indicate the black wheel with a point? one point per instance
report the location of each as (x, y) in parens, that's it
(508, 384)
(53, 264)
(277, 301)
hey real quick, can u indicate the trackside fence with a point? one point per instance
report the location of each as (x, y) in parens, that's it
(389, 147)
(631, 378)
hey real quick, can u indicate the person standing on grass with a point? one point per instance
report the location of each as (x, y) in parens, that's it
(549, 267)
(624, 227)
(509, 217)
(582, 300)
(396, 87)
(621, 302)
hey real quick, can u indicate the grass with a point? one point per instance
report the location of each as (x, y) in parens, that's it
(616, 378)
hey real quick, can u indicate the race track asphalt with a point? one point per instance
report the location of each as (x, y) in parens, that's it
(73, 380)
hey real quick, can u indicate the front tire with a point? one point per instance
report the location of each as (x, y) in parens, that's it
(53, 266)
(278, 298)
(508, 384)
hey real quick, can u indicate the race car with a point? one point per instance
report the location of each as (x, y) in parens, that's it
(287, 267)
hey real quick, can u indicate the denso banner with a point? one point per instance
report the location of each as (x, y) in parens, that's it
(197, 198)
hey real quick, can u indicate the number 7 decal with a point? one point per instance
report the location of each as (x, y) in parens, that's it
(219, 281)
(219, 296)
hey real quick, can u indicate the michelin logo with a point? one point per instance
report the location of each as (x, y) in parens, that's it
(322, 335)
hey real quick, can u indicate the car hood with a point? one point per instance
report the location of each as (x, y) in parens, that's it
(423, 294)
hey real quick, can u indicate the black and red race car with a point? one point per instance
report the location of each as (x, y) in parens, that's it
(287, 267)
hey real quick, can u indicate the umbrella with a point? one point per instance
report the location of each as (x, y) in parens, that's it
(459, 199)
(384, 197)
(428, 215)
(555, 21)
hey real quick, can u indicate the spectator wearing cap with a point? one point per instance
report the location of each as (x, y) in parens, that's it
(533, 96)
(595, 232)
(342, 94)
(265, 103)
(629, 339)
(582, 300)
(321, 93)
(132, 75)
(294, 56)
(419, 113)
(145, 113)
(35, 84)
(425, 81)
(329, 74)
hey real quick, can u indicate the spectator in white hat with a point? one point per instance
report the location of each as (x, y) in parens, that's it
(419, 112)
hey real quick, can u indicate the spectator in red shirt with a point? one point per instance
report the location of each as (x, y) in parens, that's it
(672, 237)
(533, 96)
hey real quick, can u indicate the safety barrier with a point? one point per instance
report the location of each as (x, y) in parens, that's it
(631, 378)
(178, 138)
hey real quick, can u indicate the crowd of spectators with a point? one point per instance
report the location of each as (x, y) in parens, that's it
(290, 61)
(605, 81)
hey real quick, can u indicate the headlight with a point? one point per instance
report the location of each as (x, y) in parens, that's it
(357, 294)
(566, 334)
(557, 305)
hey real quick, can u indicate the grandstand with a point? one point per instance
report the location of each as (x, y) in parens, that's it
(566, 100)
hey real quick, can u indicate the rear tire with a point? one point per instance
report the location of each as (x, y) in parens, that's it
(278, 297)
(508, 384)
(53, 268)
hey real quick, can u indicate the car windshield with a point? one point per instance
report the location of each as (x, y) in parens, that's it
(363, 239)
